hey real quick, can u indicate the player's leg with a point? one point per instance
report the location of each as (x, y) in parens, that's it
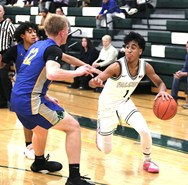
(105, 128)
(29, 152)
(72, 129)
(139, 124)
(134, 118)
(73, 148)
(39, 125)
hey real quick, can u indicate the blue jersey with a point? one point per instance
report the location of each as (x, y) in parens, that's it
(20, 56)
(111, 7)
(31, 84)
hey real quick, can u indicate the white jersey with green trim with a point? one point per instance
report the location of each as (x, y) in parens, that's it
(119, 89)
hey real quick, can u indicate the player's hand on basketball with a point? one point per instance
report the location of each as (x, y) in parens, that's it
(96, 82)
(164, 95)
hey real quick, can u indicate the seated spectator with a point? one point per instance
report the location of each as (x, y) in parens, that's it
(107, 56)
(60, 3)
(44, 12)
(88, 54)
(135, 6)
(45, 4)
(180, 76)
(141, 5)
(127, 9)
(109, 10)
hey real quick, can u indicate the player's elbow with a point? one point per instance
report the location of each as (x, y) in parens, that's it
(51, 76)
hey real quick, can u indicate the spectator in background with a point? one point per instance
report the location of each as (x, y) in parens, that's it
(141, 6)
(127, 8)
(60, 3)
(44, 13)
(7, 30)
(107, 55)
(59, 11)
(88, 54)
(109, 10)
(45, 4)
(180, 76)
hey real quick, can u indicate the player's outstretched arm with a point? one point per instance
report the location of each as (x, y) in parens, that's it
(54, 72)
(112, 70)
(150, 72)
(72, 60)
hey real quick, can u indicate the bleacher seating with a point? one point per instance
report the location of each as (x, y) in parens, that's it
(166, 35)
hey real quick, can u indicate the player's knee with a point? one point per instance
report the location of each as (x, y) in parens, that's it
(75, 126)
(145, 133)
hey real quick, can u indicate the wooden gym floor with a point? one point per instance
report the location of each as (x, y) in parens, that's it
(123, 166)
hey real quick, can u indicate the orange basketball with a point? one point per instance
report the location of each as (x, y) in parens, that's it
(164, 109)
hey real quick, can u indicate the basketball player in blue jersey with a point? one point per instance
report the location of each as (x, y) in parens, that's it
(39, 112)
(25, 35)
(115, 104)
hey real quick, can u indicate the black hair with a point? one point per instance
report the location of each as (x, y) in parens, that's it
(60, 10)
(133, 36)
(89, 43)
(22, 28)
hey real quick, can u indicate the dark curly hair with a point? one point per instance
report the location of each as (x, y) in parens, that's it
(22, 28)
(133, 36)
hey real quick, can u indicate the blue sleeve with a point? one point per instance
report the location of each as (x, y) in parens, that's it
(112, 6)
(104, 7)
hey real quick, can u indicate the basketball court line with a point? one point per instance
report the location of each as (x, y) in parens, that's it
(50, 174)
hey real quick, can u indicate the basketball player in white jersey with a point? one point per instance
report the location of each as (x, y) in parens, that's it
(115, 104)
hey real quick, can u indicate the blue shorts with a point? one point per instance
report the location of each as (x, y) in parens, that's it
(45, 120)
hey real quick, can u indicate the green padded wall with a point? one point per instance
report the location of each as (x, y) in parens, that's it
(175, 52)
(147, 51)
(177, 25)
(85, 21)
(159, 37)
(17, 10)
(99, 33)
(122, 23)
(172, 3)
(74, 11)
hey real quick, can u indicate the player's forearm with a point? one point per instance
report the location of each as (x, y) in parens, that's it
(72, 60)
(162, 87)
(61, 75)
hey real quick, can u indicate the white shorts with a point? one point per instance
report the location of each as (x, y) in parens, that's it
(126, 112)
